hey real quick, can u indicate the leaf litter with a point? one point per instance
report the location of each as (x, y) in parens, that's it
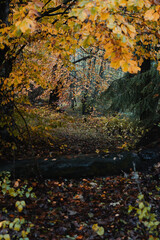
(87, 208)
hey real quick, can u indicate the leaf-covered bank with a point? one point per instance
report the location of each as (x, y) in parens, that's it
(90, 209)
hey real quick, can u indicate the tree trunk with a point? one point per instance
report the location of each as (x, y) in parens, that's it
(84, 103)
(5, 69)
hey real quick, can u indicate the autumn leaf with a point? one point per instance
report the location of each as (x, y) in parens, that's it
(82, 16)
(111, 23)
(98, 230)
(104, 15)
(151, 15)
(158, 67)
(124, 65)
(122, 3)
(6, 237)
(108, 49)
(95, 227)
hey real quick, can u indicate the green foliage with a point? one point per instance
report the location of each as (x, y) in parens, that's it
(124, 129)
(136, 93)
(99, 230)
(5, 185)
(146, 217)
(17, 227)
(58, 131)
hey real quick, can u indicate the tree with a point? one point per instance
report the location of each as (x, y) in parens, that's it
(6, 104)
(17, 32)
(62, 26)
(138, 93)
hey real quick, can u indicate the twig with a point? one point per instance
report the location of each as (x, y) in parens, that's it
(24, 122)
(30, 143)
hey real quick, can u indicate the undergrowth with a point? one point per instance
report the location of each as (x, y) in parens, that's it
(67, 134)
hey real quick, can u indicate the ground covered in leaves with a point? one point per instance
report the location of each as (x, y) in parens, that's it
(72, 209)
(47, 133)
(88, 209)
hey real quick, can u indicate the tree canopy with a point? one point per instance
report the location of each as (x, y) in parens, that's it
(127, 30)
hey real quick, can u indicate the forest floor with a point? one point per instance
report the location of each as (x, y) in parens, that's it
(88, 209)
(52, 133)
(109, 208)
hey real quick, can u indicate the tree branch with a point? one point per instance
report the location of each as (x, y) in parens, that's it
(50, 11)
(82, 59)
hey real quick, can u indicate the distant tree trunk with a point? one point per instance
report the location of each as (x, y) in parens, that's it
(84, 103)
(72, 96)
(54, 95)
(5, 67)
(54, 98)
(34, 93)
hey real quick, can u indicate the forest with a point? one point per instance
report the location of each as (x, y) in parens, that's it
(79, 119)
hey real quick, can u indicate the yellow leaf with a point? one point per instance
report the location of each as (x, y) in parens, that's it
(17, 23)
(131, 28)
(1, 223)
(12, 192)
(20, 208)
(17, 227)
(108, 50)
(141, 205)
(111, 23)
(120, 18)
(23, 26)
(140, 4)
(82, 16)
(95, 227)
(115, 62)
(24, 234)
(158, 68)
(124, 65)
(104, 16)
(123, 3)
(23, 203)
(147, 3)
(155, 16)
(100, 231)
(149, 14)
(97, 151)
(17, 203)
(6, 237)
(133, 67)
(27, 24)
(117, 30)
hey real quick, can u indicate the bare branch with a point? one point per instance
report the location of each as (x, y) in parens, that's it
(82, 59)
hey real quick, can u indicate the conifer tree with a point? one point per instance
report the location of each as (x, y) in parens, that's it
(136, 93)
